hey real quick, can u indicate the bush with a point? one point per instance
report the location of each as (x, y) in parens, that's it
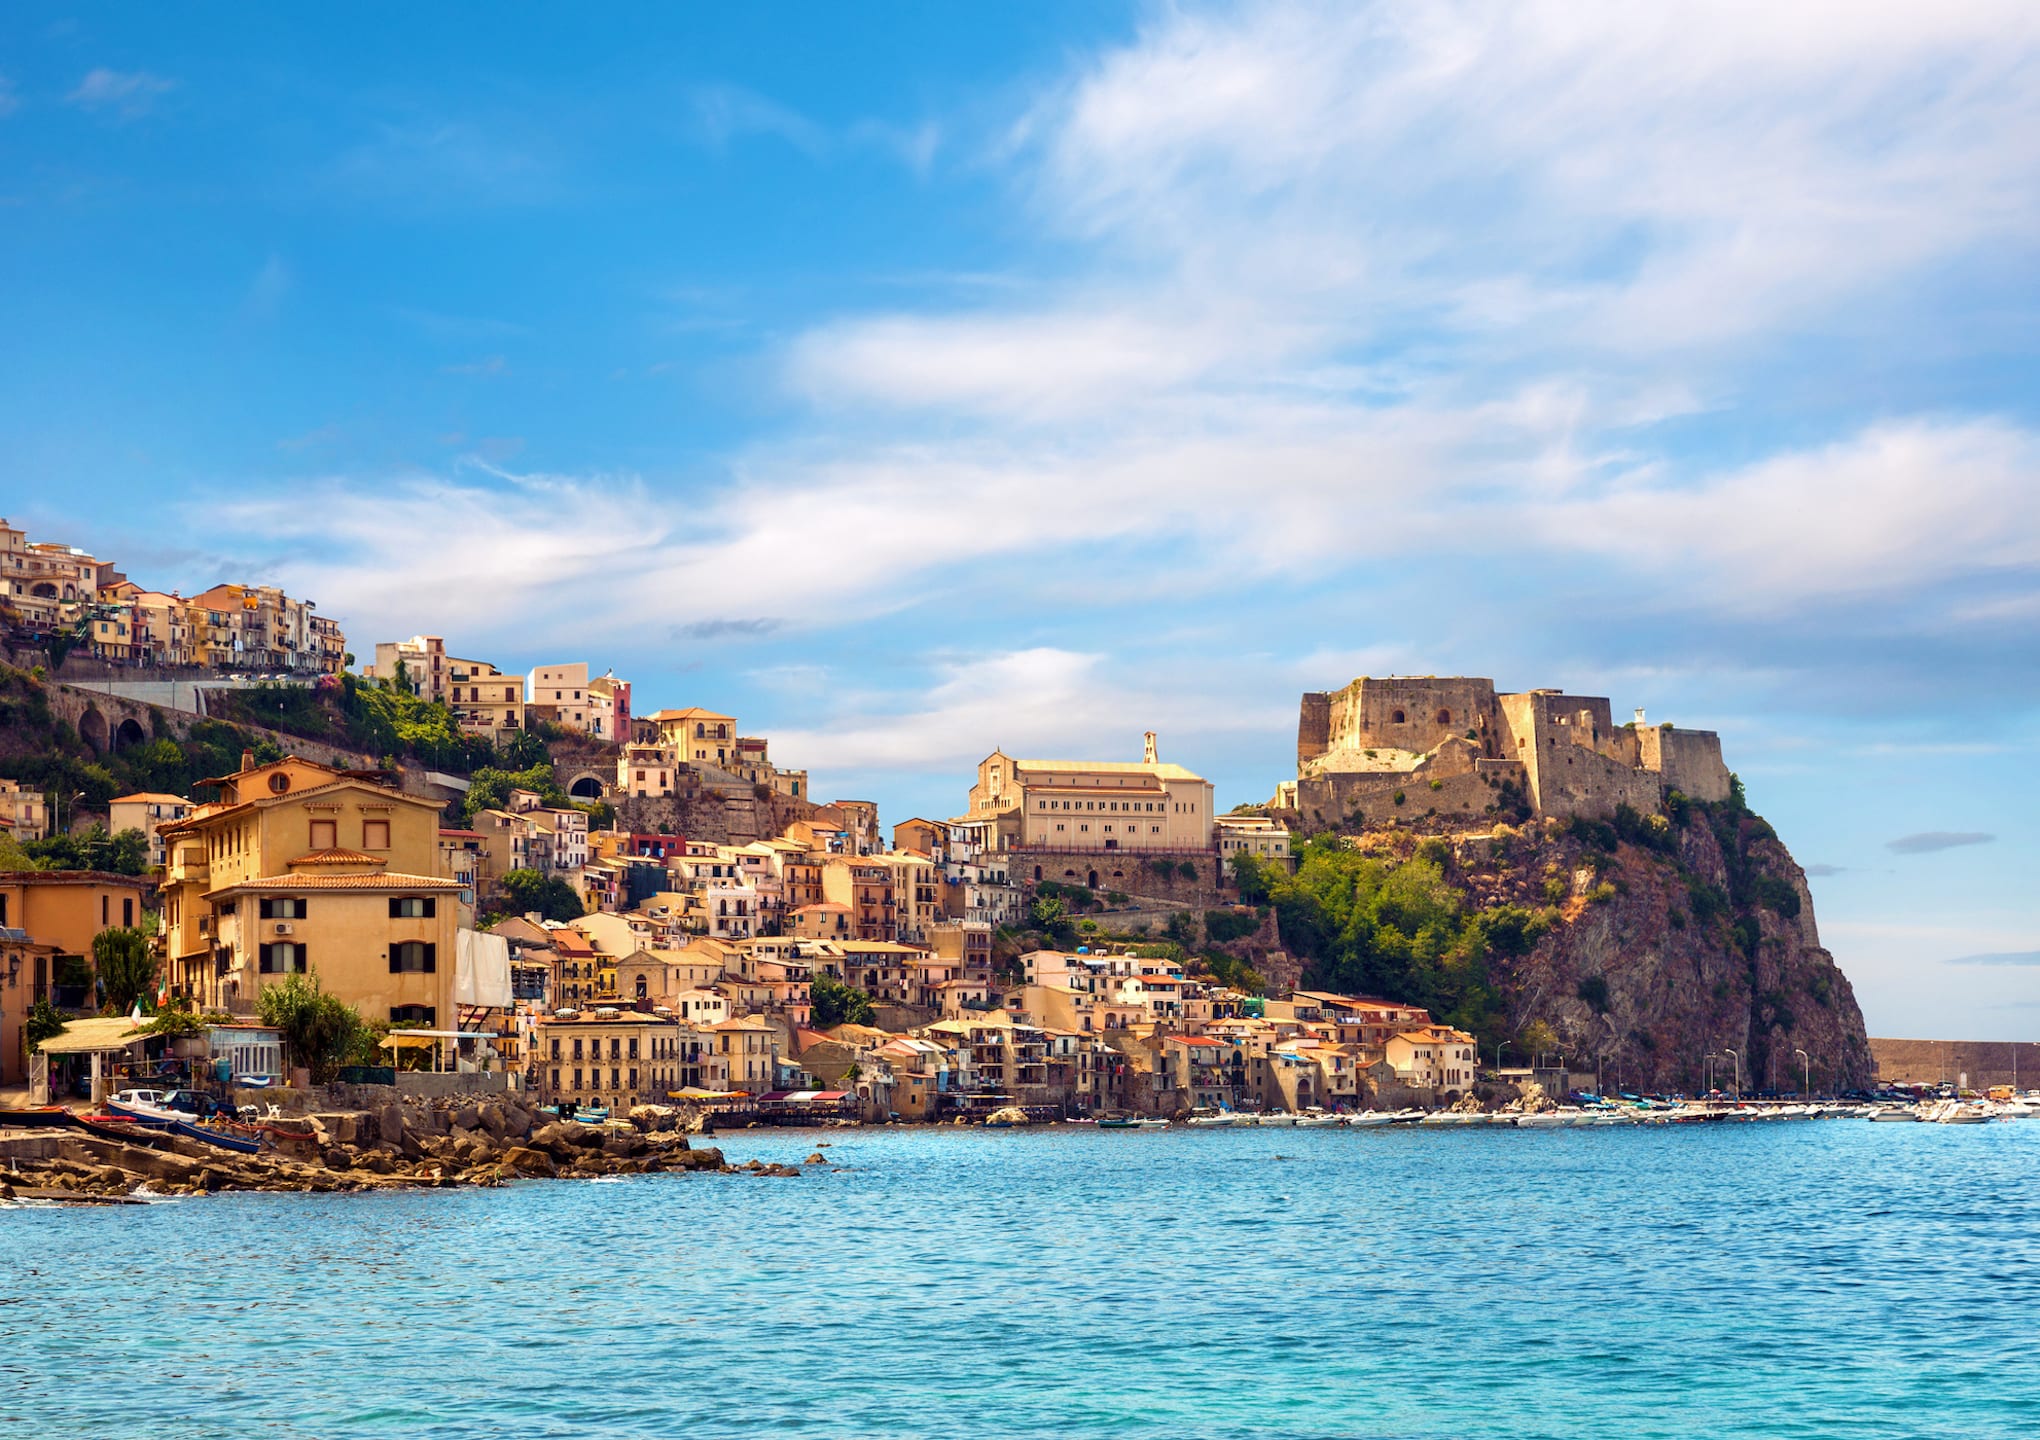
(1601, 894)
(834, 1003)
(550, 896)
(322, 1031)
(126, 969)
(1594, 990)
(1398, 797)
(1222, 927)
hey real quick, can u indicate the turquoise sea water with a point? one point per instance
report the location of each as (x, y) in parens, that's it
(1811, 1279)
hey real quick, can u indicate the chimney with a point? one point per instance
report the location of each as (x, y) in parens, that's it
(1148, 755)
(247, 759)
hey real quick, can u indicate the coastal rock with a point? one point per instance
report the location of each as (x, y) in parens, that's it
(524, 1160)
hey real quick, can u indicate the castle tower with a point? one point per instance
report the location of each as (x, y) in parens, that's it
(1148, 754)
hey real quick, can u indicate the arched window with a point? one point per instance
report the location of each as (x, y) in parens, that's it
(1444, 717)
(1398, 718)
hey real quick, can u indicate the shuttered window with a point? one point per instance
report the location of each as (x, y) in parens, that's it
(414, 957)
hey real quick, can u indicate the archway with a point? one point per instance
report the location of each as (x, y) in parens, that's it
(43, 590)
(1092, 879)
(92, 729)
(128, 734)
(1398, 718)
(1444, 717)
(585, 787)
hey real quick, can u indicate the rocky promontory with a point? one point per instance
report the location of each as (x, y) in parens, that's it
(396, 1146)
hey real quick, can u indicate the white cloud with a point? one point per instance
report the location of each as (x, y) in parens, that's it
(126, 96)
(1892, 510)
(723, 113)
(1044, 702)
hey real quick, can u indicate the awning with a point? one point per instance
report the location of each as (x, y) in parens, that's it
(98, 1034)
(695, 1092)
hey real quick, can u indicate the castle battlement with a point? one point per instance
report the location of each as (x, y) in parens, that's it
(1416, 745)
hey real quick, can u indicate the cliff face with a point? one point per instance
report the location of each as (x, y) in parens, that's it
(1678, 941)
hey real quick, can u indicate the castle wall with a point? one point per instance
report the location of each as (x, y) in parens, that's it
(1688, 761)
(1466, 798)
(1313, 727)
(1365, 714)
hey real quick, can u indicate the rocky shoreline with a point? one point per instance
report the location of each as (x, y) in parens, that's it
(400, 1146)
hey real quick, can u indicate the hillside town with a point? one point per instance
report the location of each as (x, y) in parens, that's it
(605, 907)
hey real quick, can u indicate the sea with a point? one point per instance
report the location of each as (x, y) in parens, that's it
(1825, 1278)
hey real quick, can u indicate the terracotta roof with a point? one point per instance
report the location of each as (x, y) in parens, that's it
(72, 877)
(338, 856)
(150, 797)
(382, 883)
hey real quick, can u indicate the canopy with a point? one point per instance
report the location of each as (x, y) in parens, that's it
(100, 1033)
(695, 1092)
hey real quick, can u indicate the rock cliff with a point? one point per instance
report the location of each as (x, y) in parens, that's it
(1669, 939)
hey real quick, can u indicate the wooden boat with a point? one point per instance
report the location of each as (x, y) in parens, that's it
(178, 1123)
(34, 1117)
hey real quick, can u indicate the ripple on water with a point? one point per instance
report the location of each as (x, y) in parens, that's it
(1808, 1280)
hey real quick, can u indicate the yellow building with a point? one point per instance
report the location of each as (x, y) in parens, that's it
(644, 770)
(1094, 805)
(147, 813)
(299, 867)
(25, 811)
(700, 736)
(607, 1056)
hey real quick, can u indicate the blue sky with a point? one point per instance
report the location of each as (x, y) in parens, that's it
(914, 379)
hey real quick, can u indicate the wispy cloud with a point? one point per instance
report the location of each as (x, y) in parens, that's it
(125, 96)
(1928, 842)
(748, 629)
(2004, 957)
(487, 365)
(1822, 872)
(723, 113)
(265, 294)
(435, 163)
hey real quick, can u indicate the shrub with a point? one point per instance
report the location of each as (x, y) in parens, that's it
(322, 1030)
(1601, 894)
(1399, 797)
(1594, 990)
(1555, 890)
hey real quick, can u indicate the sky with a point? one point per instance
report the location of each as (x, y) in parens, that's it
(910, 380)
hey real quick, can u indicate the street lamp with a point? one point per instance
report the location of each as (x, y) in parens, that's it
(1805, 1073)
(1738, 1069)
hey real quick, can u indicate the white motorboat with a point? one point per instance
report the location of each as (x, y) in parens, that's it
(1311, 1118)
(1542, 1120)
(1369, 1120)
(1895, 1113)
(1276, 1118)
(1212, 1119)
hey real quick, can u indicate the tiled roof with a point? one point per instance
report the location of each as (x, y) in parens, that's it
(338, 856)
(380, 883)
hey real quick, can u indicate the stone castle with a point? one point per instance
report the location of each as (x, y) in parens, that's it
(1448, 749)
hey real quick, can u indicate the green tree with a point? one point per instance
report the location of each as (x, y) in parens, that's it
(126, 969)
(93, 849)
(1052, 918)
(321, 1030)
(834, 1003)
(1538, 1039)
(44, 1020)
(1253, 879)
(548, 895)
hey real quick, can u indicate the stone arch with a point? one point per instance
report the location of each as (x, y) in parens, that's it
(128, 733)
(1091, 879)
(1398, 718)
(586, 787)
(43, 590)
(1444, 716)
(92, 729)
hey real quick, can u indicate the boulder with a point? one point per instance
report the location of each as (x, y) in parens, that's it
(655, 1119)
(815, 1159)
(494, 1116)
(524, 1160)
(338, 1159)
(467, 1116)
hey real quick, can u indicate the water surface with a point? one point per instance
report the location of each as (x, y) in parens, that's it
(1810, 1279)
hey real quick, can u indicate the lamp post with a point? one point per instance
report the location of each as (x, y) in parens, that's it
(1738, 1069)
(1805, 1073)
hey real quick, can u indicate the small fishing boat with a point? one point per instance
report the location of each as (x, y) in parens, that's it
(148, 1107)
(37, 1117)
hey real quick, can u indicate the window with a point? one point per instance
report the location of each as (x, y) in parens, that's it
(556, 1080)
(282, 958)
(277, 908)
(413, 1014)
(577, 1051)
(375, 834)
(633, 1078)
(105, 910)
(556, 1054)
(414, 957)
(633, 1055)
(325, 834)
(615, 1048)
(615, 1079)
(127, 911)
(577, 1079)
(411, 907)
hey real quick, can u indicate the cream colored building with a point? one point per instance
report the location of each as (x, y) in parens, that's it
(1436, 1057)
(25, 811)
(607, 1056)
(147, 813)
(299, 868)
(1255, 835)
(701, 737)
(1094, 805)
(644, 769)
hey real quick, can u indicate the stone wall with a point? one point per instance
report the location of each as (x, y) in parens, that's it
(1450, 802)
(1688, 761)
(1138, 875)
(1933, 1062)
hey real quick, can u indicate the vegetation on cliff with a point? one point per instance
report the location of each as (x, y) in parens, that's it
(1644, 942)
(42, 751)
